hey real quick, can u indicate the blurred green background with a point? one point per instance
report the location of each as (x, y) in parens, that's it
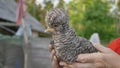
(86, 16)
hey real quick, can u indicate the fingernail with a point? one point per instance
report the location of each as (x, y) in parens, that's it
(62, 63)
(54, 58)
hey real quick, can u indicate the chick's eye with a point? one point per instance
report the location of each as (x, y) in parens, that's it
(55, 25)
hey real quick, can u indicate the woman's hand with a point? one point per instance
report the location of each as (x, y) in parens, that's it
(105, 58)
(53, 57)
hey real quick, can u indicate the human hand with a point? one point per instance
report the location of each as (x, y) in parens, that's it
(105, 58)
(53, 57)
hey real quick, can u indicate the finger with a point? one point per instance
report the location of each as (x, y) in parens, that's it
(101, 48)
(66, 67)
(89, 65)
(55, 62)
(79, 65)
(63, 64)
(89, 58)
(82, 65)
(50, 48)
(52, 54)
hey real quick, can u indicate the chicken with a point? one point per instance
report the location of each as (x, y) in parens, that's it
(66, 43)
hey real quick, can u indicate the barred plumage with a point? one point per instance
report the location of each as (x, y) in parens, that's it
(66, 44)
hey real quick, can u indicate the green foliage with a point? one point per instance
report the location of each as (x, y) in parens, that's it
(89, 16)
(86, 16)
(60, 4)
(75, 11)
(36, 11)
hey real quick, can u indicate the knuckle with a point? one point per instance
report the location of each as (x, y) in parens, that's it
(49, 46)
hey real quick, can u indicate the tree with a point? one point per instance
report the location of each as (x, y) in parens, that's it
(75, 11)
(117, 2)
(89, 16)
(36, 11)
(61, 4)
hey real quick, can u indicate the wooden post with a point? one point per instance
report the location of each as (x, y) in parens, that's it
(26, 46)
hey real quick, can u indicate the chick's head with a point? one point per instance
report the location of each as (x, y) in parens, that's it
(56, 19)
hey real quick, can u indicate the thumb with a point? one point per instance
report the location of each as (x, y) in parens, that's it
(101, 48)
(88, 58)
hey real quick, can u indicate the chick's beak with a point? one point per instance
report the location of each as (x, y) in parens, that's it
(49, 30)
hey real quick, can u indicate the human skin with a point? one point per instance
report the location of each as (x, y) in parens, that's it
(105, 58)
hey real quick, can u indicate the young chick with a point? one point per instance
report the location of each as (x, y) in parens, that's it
(66, 43)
